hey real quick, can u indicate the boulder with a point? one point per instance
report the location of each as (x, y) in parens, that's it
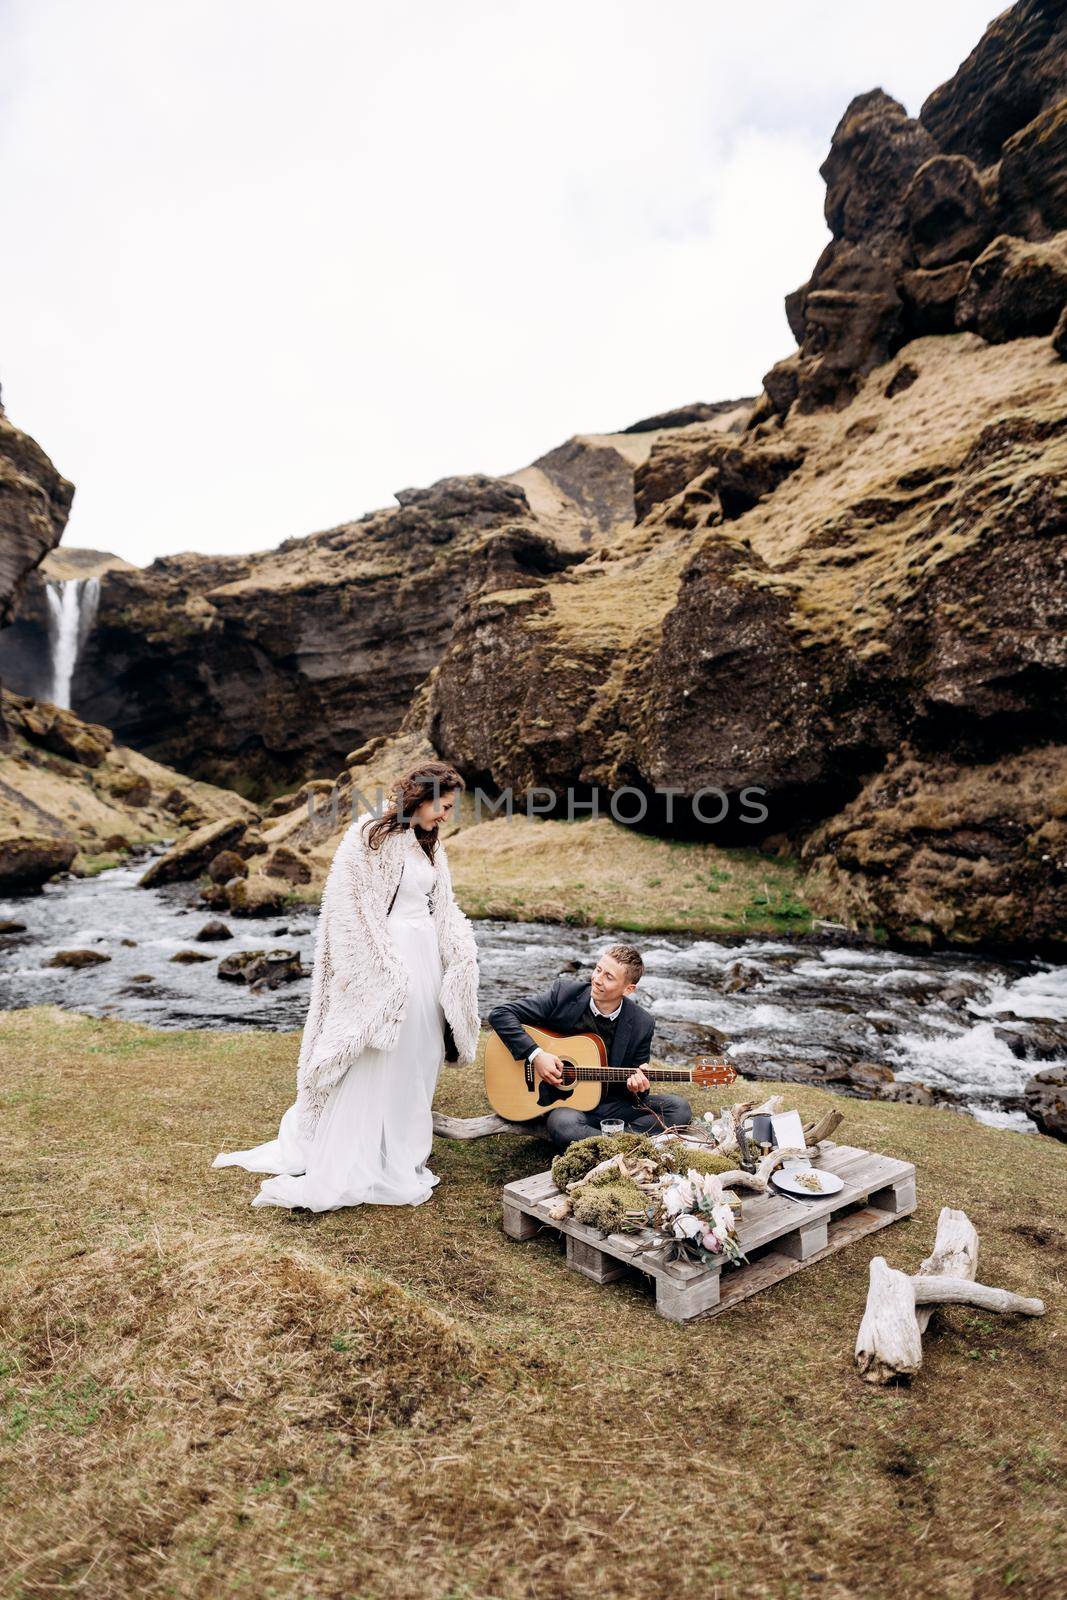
(782, 384)
(930, 297)
(226, 865)
(1016, 289)
(1032, 184)
(252, 844)
(747, 475)
(870, 1077)
(77, 958)
(232, 968)
(933, 851)
(741, 976)
(853, 321)
(274, 968)
(958, 994)
(262, 969)
(131, 788)
(948, 217)
(36, 502)
(60, 731)
(908, 1094)
(1035, 1039)
(188, 958)
(1045, 1099)
(875, 152)
(214, 930)
(676, 460)
(191, 855)
(281, 805)
(253, 897)
(285, 863)
(30, 860)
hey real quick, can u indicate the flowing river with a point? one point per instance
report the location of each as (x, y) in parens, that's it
(785, 1006)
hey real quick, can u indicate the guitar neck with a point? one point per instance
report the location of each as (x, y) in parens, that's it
(620, 1074)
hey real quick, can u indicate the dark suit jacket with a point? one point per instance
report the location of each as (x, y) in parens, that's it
(562, 1008)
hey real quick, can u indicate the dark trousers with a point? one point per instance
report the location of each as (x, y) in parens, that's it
(563, 1126)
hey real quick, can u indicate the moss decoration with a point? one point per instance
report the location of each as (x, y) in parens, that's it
(684, 1156)
(604, 1205)
(604, 1201)
(584, 1154)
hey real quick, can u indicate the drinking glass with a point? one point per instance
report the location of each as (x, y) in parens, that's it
(611, 1126)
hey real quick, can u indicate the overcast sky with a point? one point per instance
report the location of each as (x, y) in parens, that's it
(266, 263)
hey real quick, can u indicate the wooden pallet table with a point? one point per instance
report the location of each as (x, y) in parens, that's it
(779, 1236)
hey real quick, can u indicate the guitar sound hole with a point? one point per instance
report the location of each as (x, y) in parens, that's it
(548, 1094)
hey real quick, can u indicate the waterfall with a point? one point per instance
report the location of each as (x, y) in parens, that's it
(71, 608)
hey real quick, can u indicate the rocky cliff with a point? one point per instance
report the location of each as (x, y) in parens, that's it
(849, 594)
(34, 506)
(286, 660)
(72, 799)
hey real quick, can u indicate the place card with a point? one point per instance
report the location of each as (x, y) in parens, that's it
(789, 1135)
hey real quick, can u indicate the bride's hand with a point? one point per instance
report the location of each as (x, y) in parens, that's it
(548, 1068)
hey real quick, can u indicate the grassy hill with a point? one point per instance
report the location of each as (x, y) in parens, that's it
(199, 1399)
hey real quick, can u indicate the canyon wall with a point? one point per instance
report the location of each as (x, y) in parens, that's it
(849, 593)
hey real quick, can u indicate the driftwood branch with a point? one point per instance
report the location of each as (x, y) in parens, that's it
(759, 1179)
(958, 1292)
(955, 1254)
(477, 1127)
(828, 1123)
(889, 1342)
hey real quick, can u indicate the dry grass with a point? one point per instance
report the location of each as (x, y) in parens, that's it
(605, 874)
(199, 1399)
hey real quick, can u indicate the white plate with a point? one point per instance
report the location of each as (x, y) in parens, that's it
(829, 1183)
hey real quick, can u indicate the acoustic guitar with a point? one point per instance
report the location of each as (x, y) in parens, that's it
(515, 1092)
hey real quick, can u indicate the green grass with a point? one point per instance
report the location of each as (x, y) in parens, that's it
(200, 1399)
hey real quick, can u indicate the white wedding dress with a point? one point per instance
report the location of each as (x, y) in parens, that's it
(375, 1133)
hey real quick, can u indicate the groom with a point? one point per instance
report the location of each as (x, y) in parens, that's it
(601, 1006)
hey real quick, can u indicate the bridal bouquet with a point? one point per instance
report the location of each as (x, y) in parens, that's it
(698, 1214)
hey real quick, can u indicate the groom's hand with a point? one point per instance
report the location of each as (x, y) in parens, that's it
(549, 1068)
(637, 1083)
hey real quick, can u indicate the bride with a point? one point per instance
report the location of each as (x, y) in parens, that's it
(395, 964)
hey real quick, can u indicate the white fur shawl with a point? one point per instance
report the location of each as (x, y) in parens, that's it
(358, 981)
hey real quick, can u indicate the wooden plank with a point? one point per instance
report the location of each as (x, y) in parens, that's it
(772, 1215)
(773, 1267)
(681, 1303)
(536, 1188)
(807, 1241)
(591, 1262)
(898, 1197)
(518, 1224)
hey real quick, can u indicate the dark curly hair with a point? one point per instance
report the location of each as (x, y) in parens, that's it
(428, 781)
